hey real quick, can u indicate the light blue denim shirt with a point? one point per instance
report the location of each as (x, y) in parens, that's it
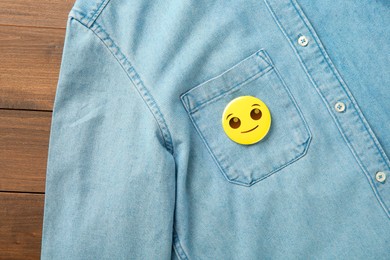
(139, 164)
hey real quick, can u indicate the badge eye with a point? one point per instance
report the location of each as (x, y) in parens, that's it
(256, 114)
(234, 122)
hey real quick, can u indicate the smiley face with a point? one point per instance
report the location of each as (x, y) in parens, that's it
(246, 120)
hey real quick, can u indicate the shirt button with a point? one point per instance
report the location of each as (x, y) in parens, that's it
(340, 107)
(380, 176)
(303, 41)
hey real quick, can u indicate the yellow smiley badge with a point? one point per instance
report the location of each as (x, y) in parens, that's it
(246, 120)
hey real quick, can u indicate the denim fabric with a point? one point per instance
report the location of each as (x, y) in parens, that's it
(139, 165)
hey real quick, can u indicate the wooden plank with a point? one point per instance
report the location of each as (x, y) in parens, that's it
(42, 13)
(21, 217)
(24, 138)
(29, 67)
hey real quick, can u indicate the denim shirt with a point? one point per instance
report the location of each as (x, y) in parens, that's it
(139, 164)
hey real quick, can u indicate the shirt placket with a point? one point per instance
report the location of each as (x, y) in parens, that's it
(335, 94)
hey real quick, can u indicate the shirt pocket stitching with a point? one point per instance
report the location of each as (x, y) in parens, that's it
(260, 70)
(232, 89)
(302, 131)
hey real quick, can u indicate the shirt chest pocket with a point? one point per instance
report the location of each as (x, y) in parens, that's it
(288, 137)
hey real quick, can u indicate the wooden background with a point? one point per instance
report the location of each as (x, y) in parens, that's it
(31, 40)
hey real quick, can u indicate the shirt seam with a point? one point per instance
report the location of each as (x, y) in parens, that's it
(90, 18)
(132, 74)
(177, 246)
(357, 158)
(354, 103)
(344, 86)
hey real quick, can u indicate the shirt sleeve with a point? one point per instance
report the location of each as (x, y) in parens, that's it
(110, 185)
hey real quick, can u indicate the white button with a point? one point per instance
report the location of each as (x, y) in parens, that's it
(380, 176)
(303, 41)
(340, 107)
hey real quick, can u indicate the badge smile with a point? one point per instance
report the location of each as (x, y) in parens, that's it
(250, 130)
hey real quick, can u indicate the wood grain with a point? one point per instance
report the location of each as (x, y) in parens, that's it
(29, 66)
(21, 218)
(24, 137)
(38, 13)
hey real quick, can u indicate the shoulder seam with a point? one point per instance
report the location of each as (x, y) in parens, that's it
(134, 77)
(88, 19)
